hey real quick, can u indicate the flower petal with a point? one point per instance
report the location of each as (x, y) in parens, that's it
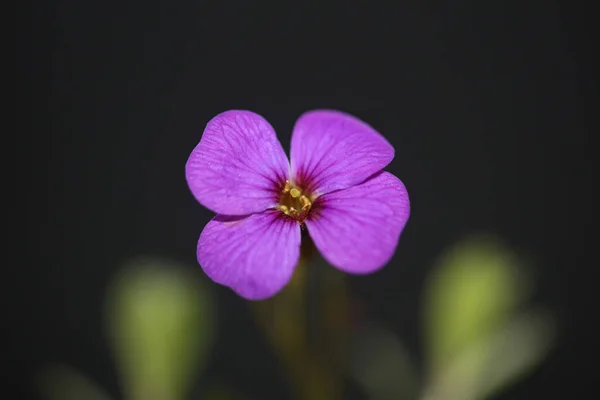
(332, 150)
(238, 164)
(253, 255)
(357, 229)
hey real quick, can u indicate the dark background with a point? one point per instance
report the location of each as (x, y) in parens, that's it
(483, 103)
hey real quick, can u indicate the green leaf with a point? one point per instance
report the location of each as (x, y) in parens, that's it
(381, 365)
(491, 364)
(472, 291)
(161, 324)
(61, 382)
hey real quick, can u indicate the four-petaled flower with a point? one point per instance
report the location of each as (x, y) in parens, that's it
(334, 186)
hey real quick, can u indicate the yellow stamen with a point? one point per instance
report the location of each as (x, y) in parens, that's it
(305, 202)
(294, 203)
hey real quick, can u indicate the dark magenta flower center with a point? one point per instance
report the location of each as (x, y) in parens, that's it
(294, 203)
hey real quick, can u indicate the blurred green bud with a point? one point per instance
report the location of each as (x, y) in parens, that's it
(472, 291)
(160, 320)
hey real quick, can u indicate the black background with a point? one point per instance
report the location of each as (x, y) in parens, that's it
(483, 103)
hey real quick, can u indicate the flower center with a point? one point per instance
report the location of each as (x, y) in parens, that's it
(294, 203)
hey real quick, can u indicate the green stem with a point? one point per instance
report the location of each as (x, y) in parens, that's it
(313, 296)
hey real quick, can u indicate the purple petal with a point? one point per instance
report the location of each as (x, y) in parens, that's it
(332, 150)
(238, 166)
(357, 229)
(254, 255)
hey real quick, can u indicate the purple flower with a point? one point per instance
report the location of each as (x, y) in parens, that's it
(354, 212)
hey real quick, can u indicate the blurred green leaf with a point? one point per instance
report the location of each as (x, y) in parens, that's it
(516, 350)
(471, 292)
(382, 366)
(61, 382)
(489, 365)
(160, 319)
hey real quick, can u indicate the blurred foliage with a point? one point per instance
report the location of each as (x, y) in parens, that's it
(382, 365)
(61, 382)
(480, 334)
(489, 365)
(160, 321)
(478, 337)
(469, 294)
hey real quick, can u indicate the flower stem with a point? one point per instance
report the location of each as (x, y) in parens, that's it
(297, 323)
(313, 295)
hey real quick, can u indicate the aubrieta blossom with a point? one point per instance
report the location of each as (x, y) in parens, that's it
(334, 187)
